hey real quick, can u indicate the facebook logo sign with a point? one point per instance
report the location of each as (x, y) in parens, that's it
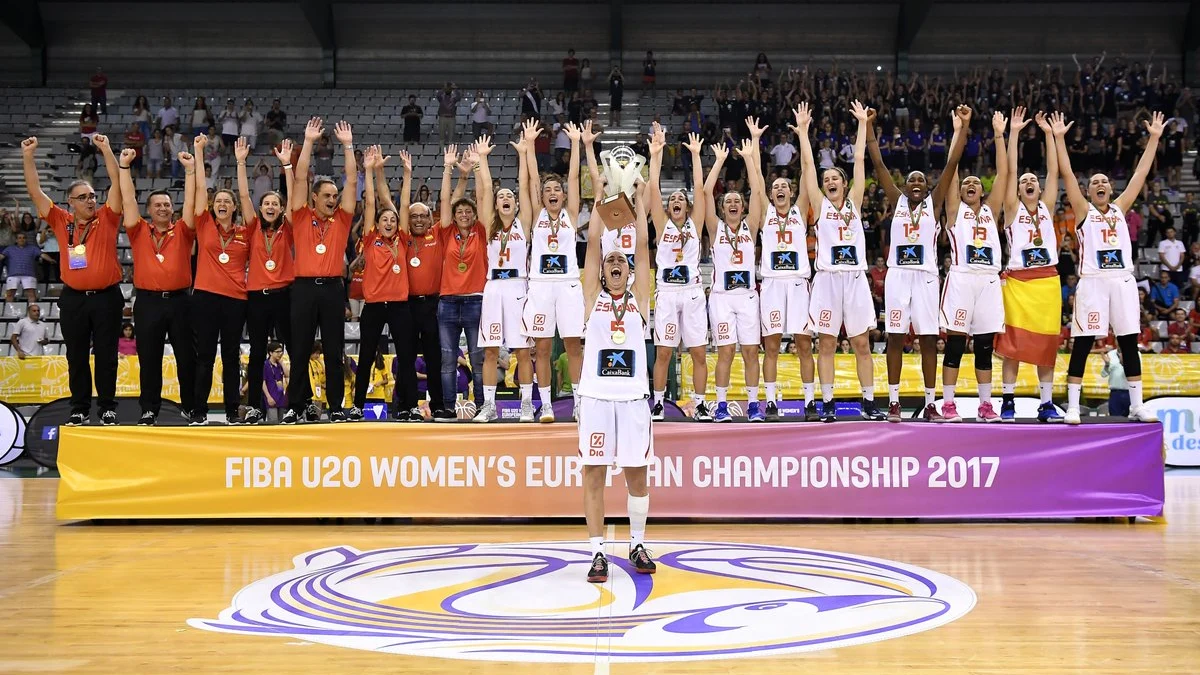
(375, 411)
(49, 433)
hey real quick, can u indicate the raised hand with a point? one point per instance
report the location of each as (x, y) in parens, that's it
(746, 149)
(1042, 122)
(999, 122)
(483, 146)
(1018, 119)
(450, 158)
(803, 119)
(589, 136)
(406, 160)
(241, 149)
(720, 151)
(127, 157)
(187, 161)
(199, 144)
(530, 132)
(29, 145)
(313, 130)
(468, 160)
(284, 152)
(755, 130)
(371, 157)
(859, 111)
(1155, 124)
(343, 133)
(694, 144)
(961, 118)
(383, 159)
(101, 142)
(1060, 125)
(573, 132)
(658, 140)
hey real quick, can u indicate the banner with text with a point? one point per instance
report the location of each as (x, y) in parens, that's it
(851, 469)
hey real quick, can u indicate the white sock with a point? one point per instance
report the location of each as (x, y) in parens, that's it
(639, 509)
(1045, 389)
(947, 393)
(597, 545)
(698, 398)
(930, 394)
(1073, 395)
(575, 393)
(547, 397)
(1008, 387)
(721, 393)
(1135, 394)
(868, 395)
(826, 392)
(808, 392)
(770, 386)
(659, 396)
(489, 394)
(752, 394)
(526, 393)
(893, 393)
(985, 392)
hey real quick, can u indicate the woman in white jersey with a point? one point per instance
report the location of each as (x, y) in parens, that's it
(971, 300)
(841, 296)
(910, 293)
(733, 302)
(508, 265)
(783, 300)
(555, 298)
(680, 311)
(614, 420)
(1032, 295)
(1107, 292)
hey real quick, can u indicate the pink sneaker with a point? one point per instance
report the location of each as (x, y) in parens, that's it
(987, 413)
(950, 412)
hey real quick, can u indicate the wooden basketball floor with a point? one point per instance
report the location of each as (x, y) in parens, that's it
(1051, 598)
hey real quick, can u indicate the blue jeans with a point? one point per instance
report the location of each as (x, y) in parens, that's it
(459, 314)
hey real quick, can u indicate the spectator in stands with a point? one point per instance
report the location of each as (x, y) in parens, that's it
(174, 144)
(1179, 325)
(202, 117)
(275, 378)
(155, 151)
(585, 74)
(649, 72)
(89, 121)
(1170, 255)
(136, 141)
(212, 155)
(1160, 214)
(1068, 257)
(1165, 296)
(1133, 220)
(91, 300)
(616, 90)
(447, 100)
(1174, 145)
(30, 333)
(127, 343)
(570, 70)
(1189, 212)
(99, 86)
(167, 115)
(276, 124)
(20, 259)
(1118, 386)
(142, 116)
(1176, 345)
(1070, 285)
(1149, 313)
(249, 120)
(412, 115)
(323, 158)
(481, 120)
(1146, 336)
(878, 274)
(783, 153)
(229, 121)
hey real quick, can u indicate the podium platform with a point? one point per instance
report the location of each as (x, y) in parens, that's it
(704, 471)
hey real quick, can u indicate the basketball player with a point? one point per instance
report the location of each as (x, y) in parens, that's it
(786, 271)
(614, 421)
(911, 291)
(971, 302)
(1032, 295)
(680, 314)
(555, 299)
(841, 297)
(507, 216)
(733, 302)
(1107, 294)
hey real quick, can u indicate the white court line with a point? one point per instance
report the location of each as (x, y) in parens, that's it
(604, 659)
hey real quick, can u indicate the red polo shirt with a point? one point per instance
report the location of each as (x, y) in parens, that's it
(310, 231)
(98, 237)
(174, 271)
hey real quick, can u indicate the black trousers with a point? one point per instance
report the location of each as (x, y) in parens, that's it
(267, 315)
(318, 302)
(157, 315)
(91, 325)
(398, 319)
(423, 334)
(218, 318)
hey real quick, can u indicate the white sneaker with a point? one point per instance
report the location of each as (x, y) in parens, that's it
(1143, 413)
(1072, 416)
(547, 414)
(526, 411)
(487, 413)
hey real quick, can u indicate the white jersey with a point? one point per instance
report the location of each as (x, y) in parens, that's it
(623, 240)
(1104, 246)
(784, 245)
(678, 256)
(553, 257)
(1032, 241)
(974, 241)
(840, 245)
(508, 253)
(913, 237)
(733, 259)
(614, 351)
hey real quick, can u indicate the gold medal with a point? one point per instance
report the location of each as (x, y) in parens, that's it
(1037, 241)
(414, 261)
(913, 238)
(618, 337)
(782, 246)
(462, 267)
(978, 243)
(160, 257)
(270, 265)
(396, 268)
(679, 255)
(1112, 240)
(553, 246)
(80, 249)
(321, 249)
(223, 258)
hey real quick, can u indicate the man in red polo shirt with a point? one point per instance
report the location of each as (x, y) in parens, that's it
(162, 275)
(321, 229)
(91, 301)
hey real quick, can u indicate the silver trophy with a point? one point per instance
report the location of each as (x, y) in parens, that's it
(622, 167)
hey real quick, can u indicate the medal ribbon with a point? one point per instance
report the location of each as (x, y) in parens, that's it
(393, 245)
(415, 245)
(619, 310)
(159, 242)
(462, 247)
(505, 233)
(914, 217)
(555, 225)
(87, 232)
(733, 240)
(223, 240)
(269, 241)
(322, 229)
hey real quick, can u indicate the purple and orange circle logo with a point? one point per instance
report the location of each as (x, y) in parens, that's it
(530, 602)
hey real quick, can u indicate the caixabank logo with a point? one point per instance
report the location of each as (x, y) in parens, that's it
(530, 602)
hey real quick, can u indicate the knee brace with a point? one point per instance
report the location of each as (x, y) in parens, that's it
(955, 346)
(983, 351)
(1079, 355)
(1130, 357)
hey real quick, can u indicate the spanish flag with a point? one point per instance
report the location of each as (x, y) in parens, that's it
(1032, 316)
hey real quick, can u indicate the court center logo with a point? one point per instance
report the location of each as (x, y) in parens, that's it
(531, 603)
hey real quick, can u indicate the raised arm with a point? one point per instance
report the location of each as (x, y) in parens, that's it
(588, 138)
(641, 257)
(524, 204)
(1050, 194)
(298, 198)
(113, 168)
(284, 155)
(201, 186)
(700, 201)
(532, 130)
(574, 133)
(370, 162)
(1004, 176)
(33, 182)
(961, 121)
(188, 162)
(1011, 198)
(241, 150)
(350, 190)
(710, 184)
(591, 264)
(1079, 203)
(483, 180)
(882, 175)
(130, 215)
(809, 183)
(758, 187)
(1155, 128)
(859, 185)
(449, 160)
(658, 141)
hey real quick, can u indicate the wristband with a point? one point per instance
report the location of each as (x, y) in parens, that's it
(287, 166)
(123, 167)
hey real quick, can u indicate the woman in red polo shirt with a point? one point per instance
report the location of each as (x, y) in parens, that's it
(271, 271)
(385, 287)
(219, 294)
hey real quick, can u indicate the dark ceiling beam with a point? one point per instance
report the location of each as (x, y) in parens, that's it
(320, 18)
(1191, 43)
(908, 25)
(23, 18)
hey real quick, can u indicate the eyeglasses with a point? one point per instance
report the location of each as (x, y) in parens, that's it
(89, 197)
